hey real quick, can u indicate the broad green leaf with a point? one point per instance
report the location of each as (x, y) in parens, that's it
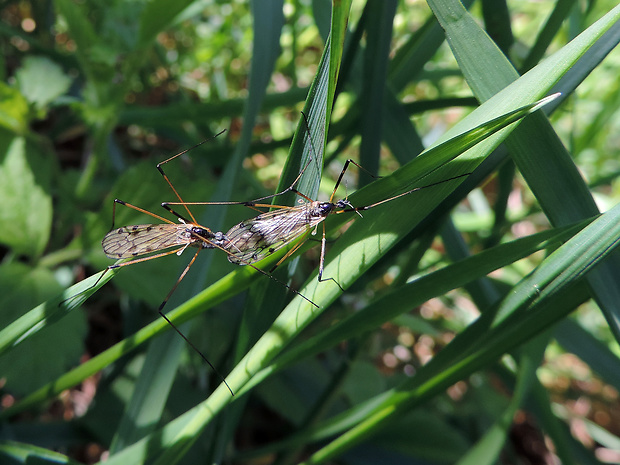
(41, 81)
(25, 173)
(13, 109)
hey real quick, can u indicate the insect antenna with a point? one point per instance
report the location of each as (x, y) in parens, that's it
(368, 207)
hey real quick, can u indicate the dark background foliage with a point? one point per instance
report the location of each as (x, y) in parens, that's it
(399, 367)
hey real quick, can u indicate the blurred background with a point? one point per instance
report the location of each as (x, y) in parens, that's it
(94, 94)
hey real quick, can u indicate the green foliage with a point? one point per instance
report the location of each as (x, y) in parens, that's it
(509, 280)
(25, 183)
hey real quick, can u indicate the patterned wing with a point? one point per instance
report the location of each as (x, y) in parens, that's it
(140, 239)
(252, 240)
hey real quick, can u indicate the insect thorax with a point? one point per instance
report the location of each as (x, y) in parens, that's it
(322, 209)
(203, 237)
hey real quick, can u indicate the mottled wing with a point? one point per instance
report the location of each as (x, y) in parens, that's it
(257, 238)
(140, 239)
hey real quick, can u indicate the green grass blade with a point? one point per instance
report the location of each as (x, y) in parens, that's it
(225, 288)
(144, 410)
(416, 293)
(540, 300)
(535, 148)
(554, 22)
(488, 449)
(575, 339)
(570, 450)
(157, 16)
(18, 452)
(374, 74)
(51, 311)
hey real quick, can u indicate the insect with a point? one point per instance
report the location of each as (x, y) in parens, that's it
(129, 242)
(142, 242)
(257, 238)
(142, 239)
(135, 241)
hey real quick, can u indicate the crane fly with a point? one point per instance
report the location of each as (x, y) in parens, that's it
(257, 238)
(142, 242)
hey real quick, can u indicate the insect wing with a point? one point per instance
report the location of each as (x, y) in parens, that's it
(140, 239)
(255, 239)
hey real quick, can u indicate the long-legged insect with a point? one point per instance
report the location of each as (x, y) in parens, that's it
(257, 238)
(144, 242)
(142, 239)
(149, 241)
(160, 240)
(138, 240)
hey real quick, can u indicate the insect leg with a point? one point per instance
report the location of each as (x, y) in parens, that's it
(120, 265)
(322, 262)
(344, 169)
(141, 210)
(163, 315)
(270, 276)
(288, 254)
(165, 176)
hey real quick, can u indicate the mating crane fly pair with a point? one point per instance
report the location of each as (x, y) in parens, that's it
(246, 243)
